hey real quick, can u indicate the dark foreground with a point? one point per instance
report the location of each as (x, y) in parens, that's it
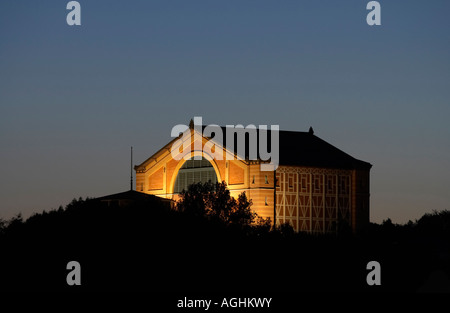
(148, 247)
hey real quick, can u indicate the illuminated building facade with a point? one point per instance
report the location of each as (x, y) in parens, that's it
(316, 188)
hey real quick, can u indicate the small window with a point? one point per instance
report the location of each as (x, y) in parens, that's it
(265, 201)
(142, 186)
(303, 184)
(267, 181)
(290, 183)
(253, 181)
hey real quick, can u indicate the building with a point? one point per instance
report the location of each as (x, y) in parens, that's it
(123, 199)
(316, 187)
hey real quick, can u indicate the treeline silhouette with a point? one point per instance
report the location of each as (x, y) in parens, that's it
(210, 242)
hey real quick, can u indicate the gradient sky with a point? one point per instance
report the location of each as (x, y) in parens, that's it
(74, 99)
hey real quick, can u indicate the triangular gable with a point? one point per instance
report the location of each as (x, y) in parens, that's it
(196, 144)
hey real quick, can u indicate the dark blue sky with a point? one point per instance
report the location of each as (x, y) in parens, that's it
(74, 99)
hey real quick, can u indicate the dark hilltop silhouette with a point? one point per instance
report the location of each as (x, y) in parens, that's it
(209, 241)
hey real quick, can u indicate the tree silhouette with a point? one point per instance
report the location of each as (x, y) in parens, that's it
(193, 201)
(214, 202)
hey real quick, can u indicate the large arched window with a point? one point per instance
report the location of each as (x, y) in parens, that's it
(194, 171)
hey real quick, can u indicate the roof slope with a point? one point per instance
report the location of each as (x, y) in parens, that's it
(295, 149)
(305, 149)
(132, 195)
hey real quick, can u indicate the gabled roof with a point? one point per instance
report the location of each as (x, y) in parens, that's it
(131, 195)
(305, 149)
(295, 149)
(126, 195)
